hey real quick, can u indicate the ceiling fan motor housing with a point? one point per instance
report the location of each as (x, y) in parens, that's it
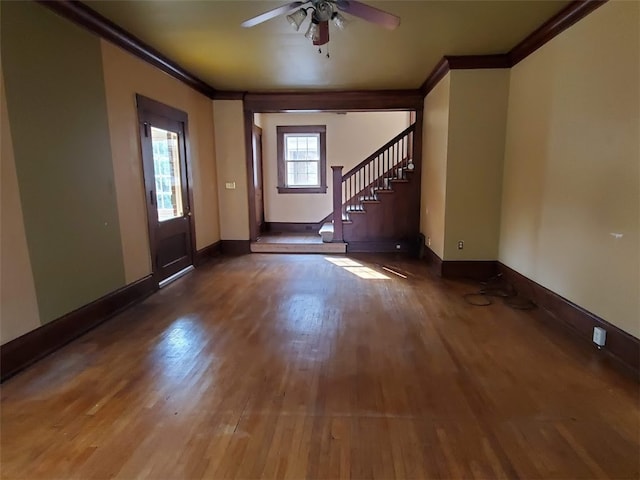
(323, 10)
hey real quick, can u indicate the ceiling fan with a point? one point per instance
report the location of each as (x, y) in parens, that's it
(323, 11)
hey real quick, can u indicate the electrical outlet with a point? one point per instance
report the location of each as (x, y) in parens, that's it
(428, 241)
(230, 185)
(599, 336)
(460, 244)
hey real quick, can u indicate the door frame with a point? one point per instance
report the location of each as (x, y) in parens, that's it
(156, 108)
(358, 101)
(256, 131)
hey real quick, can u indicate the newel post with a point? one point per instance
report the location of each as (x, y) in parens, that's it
(337, 203)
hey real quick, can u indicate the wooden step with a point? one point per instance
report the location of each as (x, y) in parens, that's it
(334, 247)
(355, 209)
(326, 232)
(382, 190)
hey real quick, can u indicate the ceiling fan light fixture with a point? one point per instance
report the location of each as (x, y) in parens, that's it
(296, 19)
(313, 32)
(324, 12)
(339, 21)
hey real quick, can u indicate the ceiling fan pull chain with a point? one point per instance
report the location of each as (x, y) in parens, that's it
(320, 51)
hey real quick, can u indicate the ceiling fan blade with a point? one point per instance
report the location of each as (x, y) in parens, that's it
(323, 32)
(369, 13)
(252, 22)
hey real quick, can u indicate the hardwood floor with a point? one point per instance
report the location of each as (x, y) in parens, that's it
(270, 366)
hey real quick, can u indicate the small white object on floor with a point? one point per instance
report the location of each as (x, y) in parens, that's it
(326, 232)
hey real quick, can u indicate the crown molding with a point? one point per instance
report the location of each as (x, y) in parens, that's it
(228, 95)
(462, 62)
(83, 15)
(438, 73)
(572, 13)
(88, 18)
(471, 62)
(557, 24)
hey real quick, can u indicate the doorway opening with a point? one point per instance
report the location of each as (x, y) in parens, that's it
(294, 198)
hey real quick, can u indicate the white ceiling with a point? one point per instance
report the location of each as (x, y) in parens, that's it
(206, 39)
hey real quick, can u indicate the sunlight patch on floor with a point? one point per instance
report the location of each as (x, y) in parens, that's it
(357, 268)
(343, 262)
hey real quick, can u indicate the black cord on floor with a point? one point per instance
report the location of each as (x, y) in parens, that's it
(497, 287)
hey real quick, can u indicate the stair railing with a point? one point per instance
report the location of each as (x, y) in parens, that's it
(374, 173)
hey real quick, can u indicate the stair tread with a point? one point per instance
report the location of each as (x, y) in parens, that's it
(382, 184)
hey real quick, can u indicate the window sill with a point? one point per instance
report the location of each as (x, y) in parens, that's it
(302, 189)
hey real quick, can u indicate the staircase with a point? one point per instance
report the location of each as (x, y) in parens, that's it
(377, 203)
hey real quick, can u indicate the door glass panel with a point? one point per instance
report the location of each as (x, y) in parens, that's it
(166, 166)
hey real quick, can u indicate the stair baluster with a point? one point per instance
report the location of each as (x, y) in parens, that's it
(364, 182)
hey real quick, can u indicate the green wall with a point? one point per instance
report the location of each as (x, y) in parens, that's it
(58, 118)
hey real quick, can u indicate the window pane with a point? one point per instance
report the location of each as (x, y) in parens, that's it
(292, 147)
(166, 163)
(302, 174)
(302, 147)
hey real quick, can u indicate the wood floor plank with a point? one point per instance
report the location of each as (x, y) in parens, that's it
(312, 366)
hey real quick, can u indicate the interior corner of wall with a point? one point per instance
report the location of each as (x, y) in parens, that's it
(19, 312)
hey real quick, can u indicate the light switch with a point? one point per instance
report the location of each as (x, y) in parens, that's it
(230, 185)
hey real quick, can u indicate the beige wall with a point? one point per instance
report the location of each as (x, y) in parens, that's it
(231, 167)
(571, 197)
(463, 152)
(477, 122)
(435, 141)
(126, 75)
(350, 139)
(18, 303)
